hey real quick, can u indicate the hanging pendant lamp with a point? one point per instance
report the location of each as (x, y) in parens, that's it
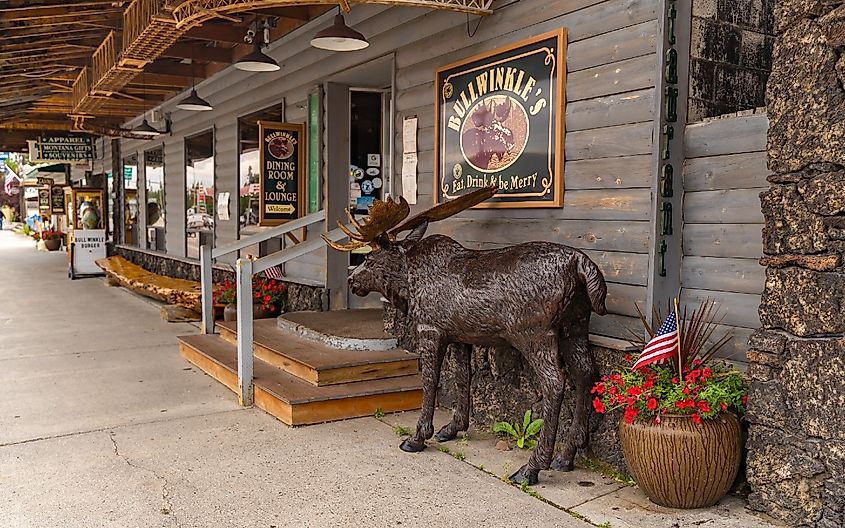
(145, 129)
(194, 101)
(339, 37)
(257, 61)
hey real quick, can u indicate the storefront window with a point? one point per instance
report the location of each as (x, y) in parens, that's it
(199, 199)
(130, 201)
(366, 180)
(154, 177)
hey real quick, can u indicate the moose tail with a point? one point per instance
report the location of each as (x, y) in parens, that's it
(594, 281)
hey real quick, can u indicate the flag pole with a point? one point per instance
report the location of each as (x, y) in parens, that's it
(678, 324)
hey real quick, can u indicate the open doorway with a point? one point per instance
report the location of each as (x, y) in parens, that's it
(370, 132)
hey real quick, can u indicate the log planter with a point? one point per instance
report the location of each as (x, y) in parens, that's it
(681, 464)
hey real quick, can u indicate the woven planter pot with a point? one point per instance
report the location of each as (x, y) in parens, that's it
(680, 464)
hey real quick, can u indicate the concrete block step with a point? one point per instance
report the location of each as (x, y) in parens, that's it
(318, 363)
(294, 401)
(344, 329)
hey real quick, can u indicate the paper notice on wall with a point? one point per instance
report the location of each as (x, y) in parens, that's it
(223, 206)
(409, 135)
(409, 177)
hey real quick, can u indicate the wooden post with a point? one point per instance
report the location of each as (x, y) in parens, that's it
(244, 278)
(336, 183)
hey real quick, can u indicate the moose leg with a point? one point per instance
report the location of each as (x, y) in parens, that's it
(542, 354)
(432, 350)
(460, 417)
(579, 362)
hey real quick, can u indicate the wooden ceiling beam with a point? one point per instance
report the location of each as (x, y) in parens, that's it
(218, 33)
(182, 50)
(54, 21)
(176, 68)
(54, 13)
(295, 12)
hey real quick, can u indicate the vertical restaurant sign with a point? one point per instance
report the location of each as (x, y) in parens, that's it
(57, 200)
(283, 172)
(44, 200)
(499, 122)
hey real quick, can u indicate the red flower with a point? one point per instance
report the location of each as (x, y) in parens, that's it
(630, 400)
(630, 414)
(696, 418)
(723, 406)
(692, 376)
(628, 358)
(613, 390)
(266, 298)
(634, 391)
(598, 389)
(649, 383)
(617, 379)
(745, 400)
(696, 362)
(684, 404)
(674, 380)
(703, 406)
(652, 404)
(706, 373)
(598, 406)
(686, 390)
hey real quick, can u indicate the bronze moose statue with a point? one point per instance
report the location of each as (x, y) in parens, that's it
(536, 297)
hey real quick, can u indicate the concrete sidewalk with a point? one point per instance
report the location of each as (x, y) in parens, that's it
(102, 423)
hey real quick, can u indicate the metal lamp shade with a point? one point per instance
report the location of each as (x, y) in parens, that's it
(194, 102)
(257, 61)
(339, 37)
(144, 129)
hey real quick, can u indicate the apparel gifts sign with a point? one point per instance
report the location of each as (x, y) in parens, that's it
(500, 122)
(282, 153)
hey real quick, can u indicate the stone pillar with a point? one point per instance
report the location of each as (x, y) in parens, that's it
(796, 458)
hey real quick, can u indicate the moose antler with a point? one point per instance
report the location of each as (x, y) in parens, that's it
(446, 209)
(383, 216)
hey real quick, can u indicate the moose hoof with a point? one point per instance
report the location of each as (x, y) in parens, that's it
(562, 465)
(410, 446)
(445, 434)
(528, 476)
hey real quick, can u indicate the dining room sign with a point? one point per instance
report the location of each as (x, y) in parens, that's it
(283, 172)
(499, 122)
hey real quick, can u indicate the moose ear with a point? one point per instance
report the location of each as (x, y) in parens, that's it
(418, 232)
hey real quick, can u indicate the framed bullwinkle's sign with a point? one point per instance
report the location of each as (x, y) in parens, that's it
(499, 122)
(283, 172)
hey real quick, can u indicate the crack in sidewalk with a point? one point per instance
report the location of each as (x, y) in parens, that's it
(167, 504)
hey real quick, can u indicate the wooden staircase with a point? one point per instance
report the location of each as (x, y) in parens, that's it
(301, 379)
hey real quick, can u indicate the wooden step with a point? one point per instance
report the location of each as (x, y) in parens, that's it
(317, 363)
(294, 401)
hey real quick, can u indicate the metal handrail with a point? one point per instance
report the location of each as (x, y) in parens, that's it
(245, 269)
(288, 227)
(208, 254)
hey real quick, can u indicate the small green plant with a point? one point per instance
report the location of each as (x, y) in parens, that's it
(443, 449)
(525, 488)
(378, 414)
(459, 455)
(605, 524)
(523, 433)
(401, 430)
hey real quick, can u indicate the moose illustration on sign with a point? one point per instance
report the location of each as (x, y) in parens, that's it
(536, 297)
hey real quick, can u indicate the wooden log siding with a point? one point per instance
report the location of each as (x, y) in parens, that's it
(611, 68)
(610, 109)
(723, 177)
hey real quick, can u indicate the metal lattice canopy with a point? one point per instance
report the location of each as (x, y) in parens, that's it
(193, 12)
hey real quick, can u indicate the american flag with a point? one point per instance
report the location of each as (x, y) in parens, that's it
(274, 273)
(662, 346)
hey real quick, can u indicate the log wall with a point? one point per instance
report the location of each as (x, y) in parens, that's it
(724, 174)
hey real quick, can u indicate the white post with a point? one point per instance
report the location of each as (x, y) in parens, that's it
(244, 276)
(206, 289)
